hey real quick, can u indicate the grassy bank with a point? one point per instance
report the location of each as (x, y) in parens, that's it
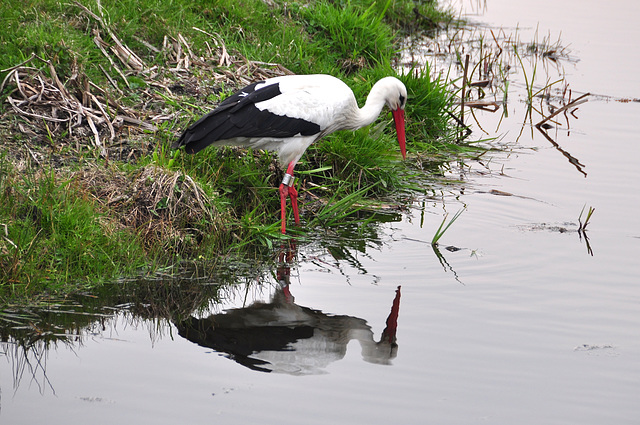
(91, 99)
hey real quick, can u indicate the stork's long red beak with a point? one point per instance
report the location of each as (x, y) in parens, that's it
(398, 118)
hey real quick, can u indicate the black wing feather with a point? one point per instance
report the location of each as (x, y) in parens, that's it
(237, 116)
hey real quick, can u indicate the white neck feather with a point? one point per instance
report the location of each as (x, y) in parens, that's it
(373, 106)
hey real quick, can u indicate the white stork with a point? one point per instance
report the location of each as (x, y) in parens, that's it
(287, 114)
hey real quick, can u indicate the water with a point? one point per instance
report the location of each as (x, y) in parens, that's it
(520, 325)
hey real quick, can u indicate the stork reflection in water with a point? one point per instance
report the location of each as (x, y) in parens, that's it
(281, 336)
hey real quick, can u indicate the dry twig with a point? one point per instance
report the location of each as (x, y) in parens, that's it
(580, 100)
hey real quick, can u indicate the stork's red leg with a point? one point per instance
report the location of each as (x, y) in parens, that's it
(284, 192)
(293, 194)
(287, 189)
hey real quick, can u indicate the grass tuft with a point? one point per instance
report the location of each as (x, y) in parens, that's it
(444, 226)
(583, 226)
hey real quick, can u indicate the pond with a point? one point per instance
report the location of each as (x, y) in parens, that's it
(517, 317)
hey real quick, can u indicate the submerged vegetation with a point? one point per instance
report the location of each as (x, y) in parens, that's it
(92, 94)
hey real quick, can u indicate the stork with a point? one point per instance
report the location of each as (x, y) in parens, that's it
(287, 114)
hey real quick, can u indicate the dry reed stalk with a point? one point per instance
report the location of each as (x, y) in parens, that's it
(484, 105)
(101, 45)
(126, 55)
(464, 88)
(580, 100)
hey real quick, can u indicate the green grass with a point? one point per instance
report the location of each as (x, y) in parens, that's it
(444, 226)
(57, 235)
(583, 226)
(353, 33)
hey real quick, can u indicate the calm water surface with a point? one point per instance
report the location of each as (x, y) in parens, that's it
(521, 325)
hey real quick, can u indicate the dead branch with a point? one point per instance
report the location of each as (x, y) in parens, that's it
(580, 100)
(485, 105)
(101, 45)
(126, 55)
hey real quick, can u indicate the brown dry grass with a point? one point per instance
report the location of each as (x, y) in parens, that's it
(164, 207)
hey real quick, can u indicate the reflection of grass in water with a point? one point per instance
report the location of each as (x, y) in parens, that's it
(30, 331)
(28, 363)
